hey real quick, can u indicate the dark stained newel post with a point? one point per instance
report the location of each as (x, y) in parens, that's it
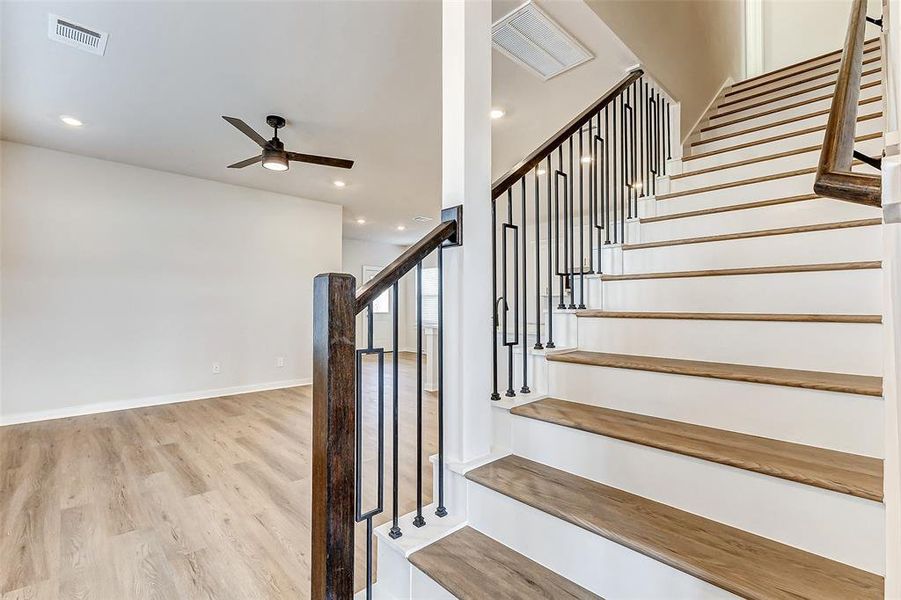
(334, 308)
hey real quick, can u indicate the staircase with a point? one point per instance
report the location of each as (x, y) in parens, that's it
(710, 425)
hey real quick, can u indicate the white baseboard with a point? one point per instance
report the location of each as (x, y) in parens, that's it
(114, 405)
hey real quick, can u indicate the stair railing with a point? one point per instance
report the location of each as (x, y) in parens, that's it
(338, 410)
(834, 177)
(576, 193)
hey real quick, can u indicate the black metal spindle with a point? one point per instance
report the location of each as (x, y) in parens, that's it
(369, 327)
(441, 510)
(581, 226)
(669, 146)
(557, 174)
(395, 531)
(606, 199)
(495, 395)
(550, 260)
(571, 265)
(592, 208)
(525, 293)
(538, 345)
(418, 520)
(508, 226)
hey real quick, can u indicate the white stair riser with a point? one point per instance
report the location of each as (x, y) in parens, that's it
(740, 122)
(844, 422)
(424, 587)
(780, 187)
(851, 292)
(766, 167)
(799, 71)
(786, 97)
(791, 214)
(852, 244)
(795, 142)
(781, 87)
(833, 347)
(578, 554)
(827, 523)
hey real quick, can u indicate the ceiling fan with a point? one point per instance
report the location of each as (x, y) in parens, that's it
(274, 156)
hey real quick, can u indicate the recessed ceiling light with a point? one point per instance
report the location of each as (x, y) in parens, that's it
(401, 227)
(339, 183)
(542, 172)
(586, 159)
(422, 219)
(70, 121)
(361, 221)
(497, 113)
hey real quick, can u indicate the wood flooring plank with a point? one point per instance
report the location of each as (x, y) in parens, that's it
(740, 562)
(472, 566)
(841, 472)
(817, 380)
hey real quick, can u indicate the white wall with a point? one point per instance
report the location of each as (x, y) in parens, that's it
(795, 30)
(122, 285)
(359, 253)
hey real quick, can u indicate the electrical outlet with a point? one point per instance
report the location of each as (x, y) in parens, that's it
(217, 368)
(279, 361)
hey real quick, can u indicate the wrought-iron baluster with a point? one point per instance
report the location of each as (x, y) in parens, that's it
(606, 199)
(441, 510)
(395, 531)
(550, 258)
(505, 268)
(418, 520)
(557, 174)
(571, 265)
(495, 395)
(538, 344)
(525, 293)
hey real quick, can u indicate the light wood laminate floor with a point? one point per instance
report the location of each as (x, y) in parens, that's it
(203, 499)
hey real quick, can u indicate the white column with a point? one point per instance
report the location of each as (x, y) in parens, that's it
(466, 180)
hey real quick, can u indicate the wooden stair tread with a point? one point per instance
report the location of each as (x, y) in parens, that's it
(847, 266)
(471, 565)
(740, 562)
(791, 84)
(866, 61)
(738, 183)
(820, 98)
(866, 385)
(759, 233)
(787, 96)
(851, 474)
(711, 316)
(868, 46)
(766, 157)
(775, 138)
(731, 207)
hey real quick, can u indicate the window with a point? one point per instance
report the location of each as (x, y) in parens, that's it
(430, 297)
(382, 304)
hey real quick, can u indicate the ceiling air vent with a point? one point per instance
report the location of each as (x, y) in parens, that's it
(73, 34)
(531, 38)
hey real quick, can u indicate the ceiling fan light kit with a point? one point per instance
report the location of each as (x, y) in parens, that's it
(274, 156)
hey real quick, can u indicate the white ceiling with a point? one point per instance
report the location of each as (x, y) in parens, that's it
(355, 79)
(359, 80)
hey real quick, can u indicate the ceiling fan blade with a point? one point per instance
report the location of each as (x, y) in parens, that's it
(341, 163)
(246, 162)
(247, 130)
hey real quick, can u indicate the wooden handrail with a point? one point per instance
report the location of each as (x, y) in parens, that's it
(834, 178)
(404, 263)
(525, 165)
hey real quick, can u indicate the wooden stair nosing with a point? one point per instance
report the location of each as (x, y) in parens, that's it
(471, 566)
(593, 313)
(758, 159)
(740, 562)
(791, 84)
(863, 385)
(779, 109)
(742, 182)
(832, 470)
(846, 266)
(867, 43)
(814, 88)
(725, 237)
(737, 183)
(863, 86)
(825, 111)
(732, 207)
(775, 138)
